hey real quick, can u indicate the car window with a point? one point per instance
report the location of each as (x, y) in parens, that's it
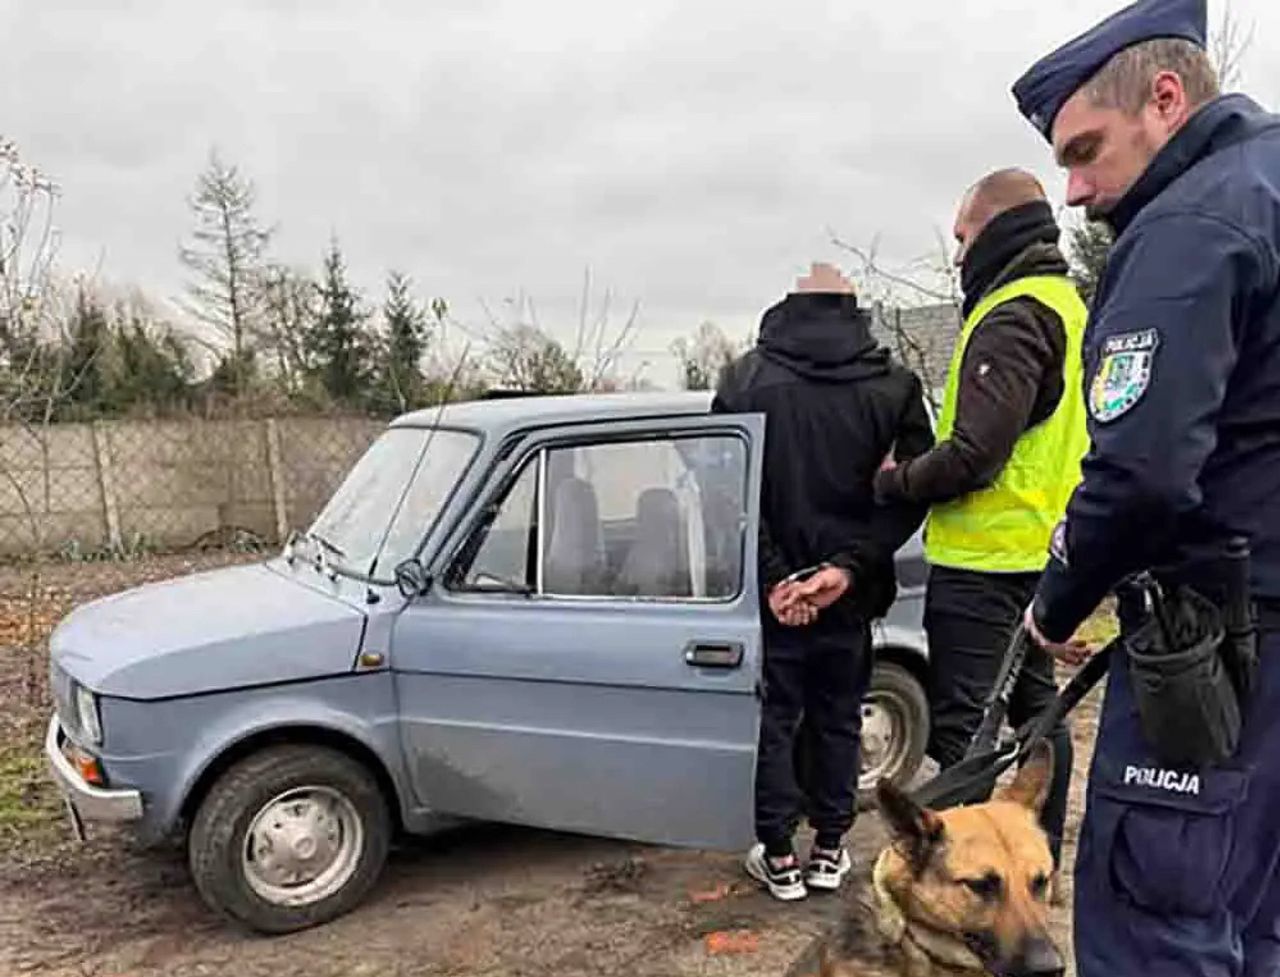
(388, 502)
(658, 519)
(506, 558)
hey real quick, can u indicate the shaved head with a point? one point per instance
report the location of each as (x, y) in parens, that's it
(993, 195)
(1000, 191)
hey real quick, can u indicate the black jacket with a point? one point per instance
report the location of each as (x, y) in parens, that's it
(1011, 374)
(836, 405)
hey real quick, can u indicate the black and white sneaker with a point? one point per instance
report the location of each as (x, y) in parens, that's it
(826, 869)
(781, 876)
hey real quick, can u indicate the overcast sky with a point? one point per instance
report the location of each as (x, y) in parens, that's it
(692, 153)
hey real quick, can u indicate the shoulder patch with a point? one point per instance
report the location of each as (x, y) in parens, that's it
(1123, 374)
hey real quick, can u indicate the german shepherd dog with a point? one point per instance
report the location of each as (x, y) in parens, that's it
(957, 892)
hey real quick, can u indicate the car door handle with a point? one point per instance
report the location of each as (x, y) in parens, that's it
(714, 654)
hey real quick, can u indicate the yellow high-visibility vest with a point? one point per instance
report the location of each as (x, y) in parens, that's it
(1006, 527)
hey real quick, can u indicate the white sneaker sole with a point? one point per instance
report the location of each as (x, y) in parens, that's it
(830, 882)
(756, 868)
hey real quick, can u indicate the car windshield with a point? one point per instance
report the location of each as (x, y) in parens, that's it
(391, 498)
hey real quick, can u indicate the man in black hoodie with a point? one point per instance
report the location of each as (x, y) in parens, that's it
(1011, 436)
(836, 407)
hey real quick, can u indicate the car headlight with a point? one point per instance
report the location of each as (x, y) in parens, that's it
(87, 715)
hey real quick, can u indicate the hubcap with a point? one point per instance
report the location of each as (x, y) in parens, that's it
(303, 846)
(884, 740)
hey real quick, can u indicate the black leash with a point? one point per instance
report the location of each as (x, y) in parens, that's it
(988, 757)
(997, 704)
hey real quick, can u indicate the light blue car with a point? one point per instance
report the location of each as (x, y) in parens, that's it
(540, 611)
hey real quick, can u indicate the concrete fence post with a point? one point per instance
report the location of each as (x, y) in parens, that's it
(275, 473)
(107, 485)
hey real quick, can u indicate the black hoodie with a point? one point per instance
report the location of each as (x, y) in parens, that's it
(836, 406)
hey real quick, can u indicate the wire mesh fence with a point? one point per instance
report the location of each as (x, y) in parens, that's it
(129, 485)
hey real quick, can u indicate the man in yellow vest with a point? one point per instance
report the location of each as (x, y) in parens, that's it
(1010, 438)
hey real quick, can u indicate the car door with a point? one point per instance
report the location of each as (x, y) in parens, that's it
(589, 658)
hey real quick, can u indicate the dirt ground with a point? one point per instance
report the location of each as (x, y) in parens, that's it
(488, 900)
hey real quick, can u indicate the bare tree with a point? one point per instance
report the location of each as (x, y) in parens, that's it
(523, 357)
(1228, 45)
(704, 357)
(931, 278)
(290, 307)
(596, 352)
(28, 244)
(226, 255)
(598, 347)
(34, 376)
(902, 296)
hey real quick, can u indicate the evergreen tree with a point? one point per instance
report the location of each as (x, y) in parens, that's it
(340, 349)
(1089, 245)
(152, 370)
(86, 377)
(408, 333)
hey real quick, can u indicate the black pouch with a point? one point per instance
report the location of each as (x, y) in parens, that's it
(1187, 702)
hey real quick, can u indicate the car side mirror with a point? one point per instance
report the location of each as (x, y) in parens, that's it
(412, 578)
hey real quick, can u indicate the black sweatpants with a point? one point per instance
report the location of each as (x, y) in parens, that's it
(817, 675)
(970, 617)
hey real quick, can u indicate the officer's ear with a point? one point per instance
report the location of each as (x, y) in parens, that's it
(1030, 787)
(917, 831)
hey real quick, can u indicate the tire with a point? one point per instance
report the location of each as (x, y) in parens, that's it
(313, 810)
(895, 698)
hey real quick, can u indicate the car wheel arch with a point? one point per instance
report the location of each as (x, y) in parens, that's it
(296, 733)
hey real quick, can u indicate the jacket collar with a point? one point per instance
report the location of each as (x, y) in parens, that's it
(1221, 123)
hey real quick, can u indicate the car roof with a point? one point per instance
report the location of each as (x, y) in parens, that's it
(517, 413)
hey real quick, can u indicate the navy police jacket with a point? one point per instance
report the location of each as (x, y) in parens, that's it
(1182, 371)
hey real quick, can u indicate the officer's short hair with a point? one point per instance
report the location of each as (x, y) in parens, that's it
(1125, 81)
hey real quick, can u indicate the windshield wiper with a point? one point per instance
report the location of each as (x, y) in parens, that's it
(329, 545)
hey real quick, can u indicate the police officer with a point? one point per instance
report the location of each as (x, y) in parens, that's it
(1176, 872)
(1011, 435)
(835, 406)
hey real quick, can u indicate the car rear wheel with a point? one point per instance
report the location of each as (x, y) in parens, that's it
(289, 837)
(895, 728)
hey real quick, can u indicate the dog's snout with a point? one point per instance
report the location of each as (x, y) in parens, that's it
(1037, 957)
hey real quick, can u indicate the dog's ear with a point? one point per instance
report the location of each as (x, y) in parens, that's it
(918, 831)
(1030, 787)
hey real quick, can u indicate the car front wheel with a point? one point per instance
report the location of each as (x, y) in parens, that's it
(289, 837)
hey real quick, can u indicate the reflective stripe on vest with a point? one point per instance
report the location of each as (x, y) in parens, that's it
(1005, 528)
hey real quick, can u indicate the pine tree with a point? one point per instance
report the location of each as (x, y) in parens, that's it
(227, 254)
(407, 336)
(339, 347)
(1090, 243)
(86, 380)
(151, 368)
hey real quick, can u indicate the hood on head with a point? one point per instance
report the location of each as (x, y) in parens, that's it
(823, 336)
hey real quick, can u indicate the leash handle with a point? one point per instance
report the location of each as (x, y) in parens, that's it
(974, 776)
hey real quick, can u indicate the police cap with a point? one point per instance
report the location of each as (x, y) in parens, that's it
(1047, 84)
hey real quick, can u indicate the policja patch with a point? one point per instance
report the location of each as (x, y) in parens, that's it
(1123, 375)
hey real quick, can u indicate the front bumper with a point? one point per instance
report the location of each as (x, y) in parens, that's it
(90, 802)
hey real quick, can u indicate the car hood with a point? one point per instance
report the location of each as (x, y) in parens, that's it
(230, 628)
